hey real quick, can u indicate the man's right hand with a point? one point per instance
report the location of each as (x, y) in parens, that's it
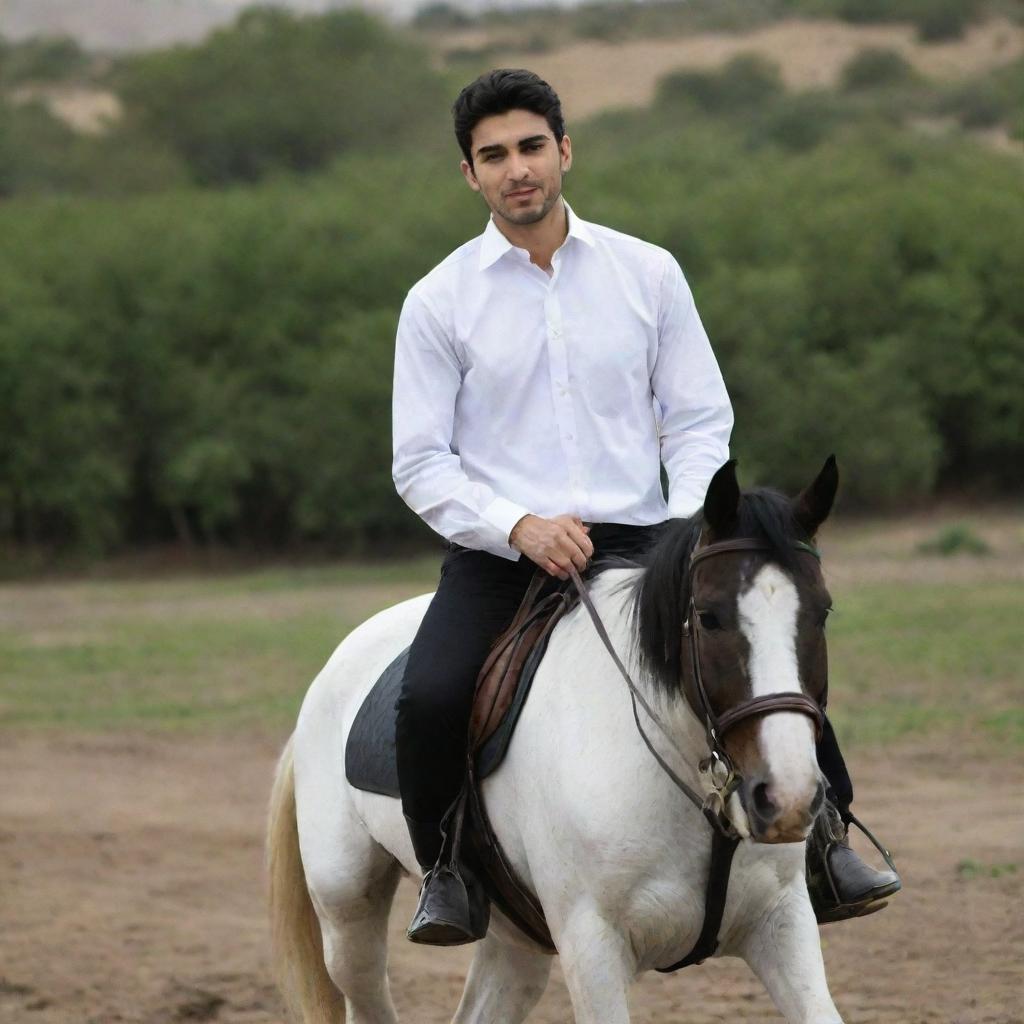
(554, 544)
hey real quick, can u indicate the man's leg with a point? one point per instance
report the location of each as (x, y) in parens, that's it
(840, 883)
(833, 767)
(476, 598)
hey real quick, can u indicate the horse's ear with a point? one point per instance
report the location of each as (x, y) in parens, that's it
(812, 506)
(722, 502)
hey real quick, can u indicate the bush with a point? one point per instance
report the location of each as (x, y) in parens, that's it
(955, 540)
(746, 83)
(875, 68)
(34, 147)
(935, 19)
(603, 21)
(941, 20)
(976, 105)
(281, 92)
(995, 97)
(440, 16)
(40, 59)
(797, 123)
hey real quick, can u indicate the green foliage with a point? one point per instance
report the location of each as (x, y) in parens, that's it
(940, 20)
(936, 20)
(40, 154)
(33, 145)
(606, 22)
(281, 92)
(746, 83)
(214, 365)
(992, 98)
(45, 59)
(797, 123)
(875, 68)
(955, 540)
(970, 869)
(440, 16)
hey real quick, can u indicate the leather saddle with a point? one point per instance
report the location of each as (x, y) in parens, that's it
(501, 691)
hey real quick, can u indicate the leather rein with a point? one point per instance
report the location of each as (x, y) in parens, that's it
(716, 770)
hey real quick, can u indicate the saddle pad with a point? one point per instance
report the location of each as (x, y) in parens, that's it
(370, 762)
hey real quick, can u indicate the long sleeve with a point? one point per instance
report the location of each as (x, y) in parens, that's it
(428, 475)
(695, 412)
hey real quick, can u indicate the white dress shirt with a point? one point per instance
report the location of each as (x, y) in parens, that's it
(521, 392)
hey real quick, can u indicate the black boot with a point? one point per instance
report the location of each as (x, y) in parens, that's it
(840, 884)
(452, 908)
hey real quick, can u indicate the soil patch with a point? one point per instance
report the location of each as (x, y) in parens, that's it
(131, 891)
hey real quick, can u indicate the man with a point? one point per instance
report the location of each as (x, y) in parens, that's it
(544, 373)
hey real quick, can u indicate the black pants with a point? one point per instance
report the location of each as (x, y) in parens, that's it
(476, 598)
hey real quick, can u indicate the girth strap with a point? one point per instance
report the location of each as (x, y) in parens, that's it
(722, 849)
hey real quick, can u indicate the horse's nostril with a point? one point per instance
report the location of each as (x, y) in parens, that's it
(763, 803)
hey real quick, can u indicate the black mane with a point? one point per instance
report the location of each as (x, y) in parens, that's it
(662, 589)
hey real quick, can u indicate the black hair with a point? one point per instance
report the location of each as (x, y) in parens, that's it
(501, 90)
(662, 592)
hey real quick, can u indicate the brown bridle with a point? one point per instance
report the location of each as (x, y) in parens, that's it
(717, 767)
(718, 725)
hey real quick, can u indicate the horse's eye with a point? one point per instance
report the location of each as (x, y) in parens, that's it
(709, 620)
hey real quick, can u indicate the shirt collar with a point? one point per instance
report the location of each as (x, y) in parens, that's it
(494, 244)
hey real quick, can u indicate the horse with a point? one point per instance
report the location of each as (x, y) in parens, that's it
(588, 818)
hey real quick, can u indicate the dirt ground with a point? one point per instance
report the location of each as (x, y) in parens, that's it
(131, 890)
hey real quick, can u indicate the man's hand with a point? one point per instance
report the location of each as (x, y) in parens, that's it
(554, 544)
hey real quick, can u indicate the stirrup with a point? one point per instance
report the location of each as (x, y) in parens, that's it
(829, 906)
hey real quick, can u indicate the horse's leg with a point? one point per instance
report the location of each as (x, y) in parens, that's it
(351, 880)
(355, 936)
(505, 983)
(598, 966)
(353, 913)
(784, 951)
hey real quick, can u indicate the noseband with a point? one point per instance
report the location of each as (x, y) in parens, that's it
(718, 767)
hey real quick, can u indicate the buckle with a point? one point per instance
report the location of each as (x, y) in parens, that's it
(723, 781)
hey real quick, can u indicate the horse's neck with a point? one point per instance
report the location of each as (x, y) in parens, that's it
(684, 743)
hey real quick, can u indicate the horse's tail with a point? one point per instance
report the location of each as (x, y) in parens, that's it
(295, 931)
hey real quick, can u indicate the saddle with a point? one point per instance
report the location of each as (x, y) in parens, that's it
(501, 691)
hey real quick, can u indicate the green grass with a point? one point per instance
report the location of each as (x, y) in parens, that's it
(970, 869)
(240, 650)
(916, 658)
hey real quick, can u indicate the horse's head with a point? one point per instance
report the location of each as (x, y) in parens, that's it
(734, 607)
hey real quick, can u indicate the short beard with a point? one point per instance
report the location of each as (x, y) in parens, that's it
(532, 216)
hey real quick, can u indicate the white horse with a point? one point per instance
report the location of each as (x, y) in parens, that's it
(589, 821)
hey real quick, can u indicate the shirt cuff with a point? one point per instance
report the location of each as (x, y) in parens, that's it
(503, 515)
(685, 503)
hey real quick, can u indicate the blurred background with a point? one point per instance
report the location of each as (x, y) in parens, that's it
(210, 214)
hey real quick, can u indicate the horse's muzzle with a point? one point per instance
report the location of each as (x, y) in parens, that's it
(772, 822)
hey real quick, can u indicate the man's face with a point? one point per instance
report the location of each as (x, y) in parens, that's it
(517, 165)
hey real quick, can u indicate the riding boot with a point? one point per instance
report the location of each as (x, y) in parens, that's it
(840, 884)
(452, 907)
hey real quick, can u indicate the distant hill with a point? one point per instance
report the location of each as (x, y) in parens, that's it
(143, 24)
